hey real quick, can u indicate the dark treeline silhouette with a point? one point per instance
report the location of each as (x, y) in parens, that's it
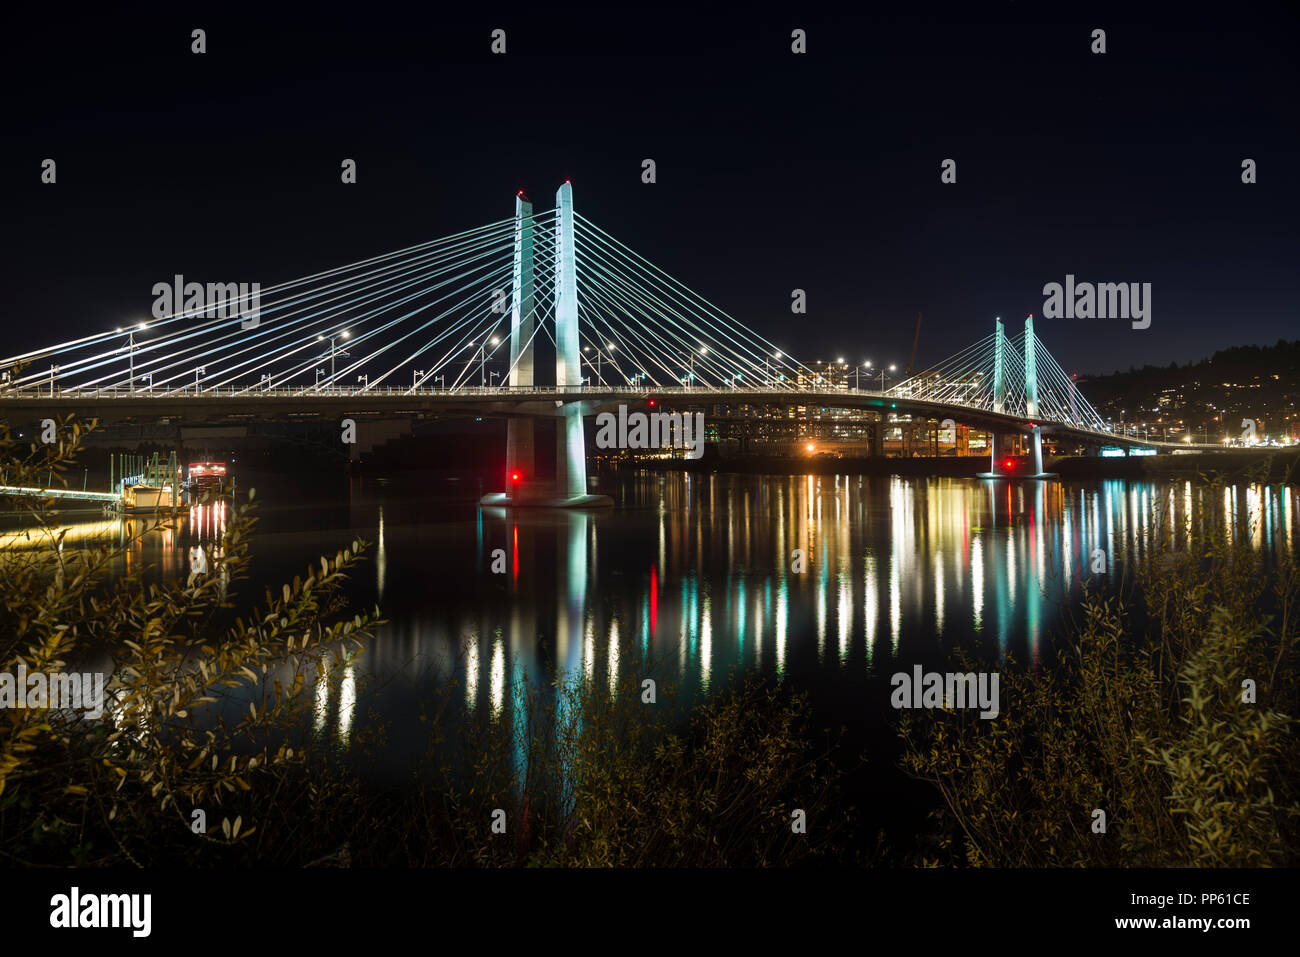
(1259, 382)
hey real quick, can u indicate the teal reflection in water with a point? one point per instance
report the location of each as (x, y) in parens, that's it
(691, 578)
(921, 564)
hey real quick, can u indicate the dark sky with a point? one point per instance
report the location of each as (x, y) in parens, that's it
(775, 171)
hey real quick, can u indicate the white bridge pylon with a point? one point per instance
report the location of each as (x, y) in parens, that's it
(1017, 378)
(1012, 377)
(523, 486)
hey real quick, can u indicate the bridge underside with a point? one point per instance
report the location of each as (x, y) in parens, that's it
(523, 403)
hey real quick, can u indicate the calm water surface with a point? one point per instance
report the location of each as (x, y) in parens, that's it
(693, 578)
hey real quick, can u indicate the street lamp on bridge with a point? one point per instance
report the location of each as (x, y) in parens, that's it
(599, 354)
(130, 347)
(767, 366)
(482, 363)
(415, 378)
(201, 370)
(332, 336)
(892, 367)
(365, 382)
(690, 374)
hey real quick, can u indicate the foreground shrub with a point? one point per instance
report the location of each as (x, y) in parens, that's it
(1149, 723)
(209, 712)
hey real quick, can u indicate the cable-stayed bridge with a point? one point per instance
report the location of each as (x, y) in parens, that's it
(416, 330)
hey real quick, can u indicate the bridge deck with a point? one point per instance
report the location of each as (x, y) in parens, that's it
(236, 404)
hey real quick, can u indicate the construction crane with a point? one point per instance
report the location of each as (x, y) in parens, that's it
(915, 340)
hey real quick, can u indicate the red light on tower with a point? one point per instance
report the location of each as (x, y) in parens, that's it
(1010, 464)
(514, 477)
(652, 403)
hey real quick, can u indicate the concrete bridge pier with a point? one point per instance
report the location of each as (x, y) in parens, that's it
(1038, 456)
(993, 457)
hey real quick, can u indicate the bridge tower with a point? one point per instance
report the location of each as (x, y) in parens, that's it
(571, 450)
(1031, 395)
(570, 486)
(1031, 370)
(520, 459)
(999, 389)
(999, 368)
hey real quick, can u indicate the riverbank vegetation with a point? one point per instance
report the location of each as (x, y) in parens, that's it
(1171, 711)
(1161, 735)
(204, 754)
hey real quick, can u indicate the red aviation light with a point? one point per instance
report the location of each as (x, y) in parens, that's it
(1010, 464)
(652, 403)
(515, 476)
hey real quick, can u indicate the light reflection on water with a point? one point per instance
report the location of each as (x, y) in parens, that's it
(693, 577)
(695, 574)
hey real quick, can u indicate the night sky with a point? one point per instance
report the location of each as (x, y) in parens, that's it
(775, 171)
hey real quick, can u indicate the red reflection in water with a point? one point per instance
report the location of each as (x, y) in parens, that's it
(654, 599)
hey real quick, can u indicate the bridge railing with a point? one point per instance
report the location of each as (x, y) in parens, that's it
(302, 391)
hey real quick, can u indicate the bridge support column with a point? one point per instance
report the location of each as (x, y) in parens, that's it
(994, 449)
(1031, 372)
(521, 470)
(1038, 455)
(999, 367)
(571, 455)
